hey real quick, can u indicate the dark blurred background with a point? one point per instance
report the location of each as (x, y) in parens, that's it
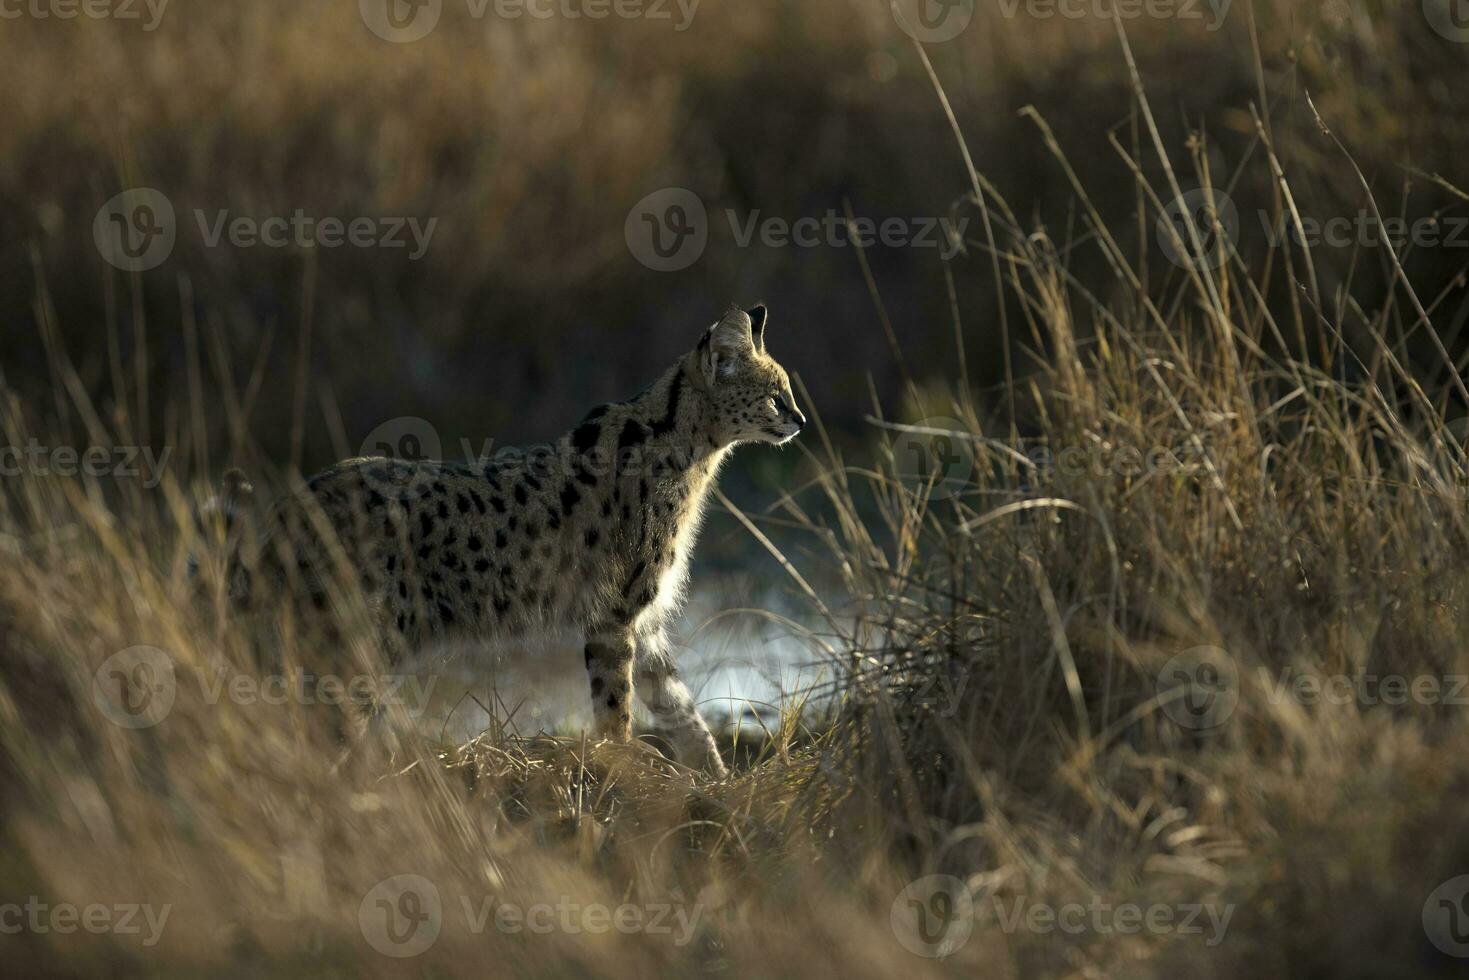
(531, 141)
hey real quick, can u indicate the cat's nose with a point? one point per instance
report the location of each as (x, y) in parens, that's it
(798, 418)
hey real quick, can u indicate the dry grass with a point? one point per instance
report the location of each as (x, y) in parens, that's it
(998, 718)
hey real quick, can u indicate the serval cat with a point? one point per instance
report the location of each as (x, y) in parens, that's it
(592, 534)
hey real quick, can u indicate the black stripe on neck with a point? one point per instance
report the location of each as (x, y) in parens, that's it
(665, 425)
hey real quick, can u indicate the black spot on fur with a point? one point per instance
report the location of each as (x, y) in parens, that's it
(475, 544)
(569, 498)
(592, 536)
(633, 433)
(520, 494)
(584, 439)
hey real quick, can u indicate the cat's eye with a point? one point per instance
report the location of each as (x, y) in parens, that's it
(773, 404)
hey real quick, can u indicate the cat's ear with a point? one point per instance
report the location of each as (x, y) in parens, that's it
(727, 343)
(757, 315)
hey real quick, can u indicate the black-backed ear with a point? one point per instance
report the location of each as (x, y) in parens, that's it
(757, 317)
(725, 344)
